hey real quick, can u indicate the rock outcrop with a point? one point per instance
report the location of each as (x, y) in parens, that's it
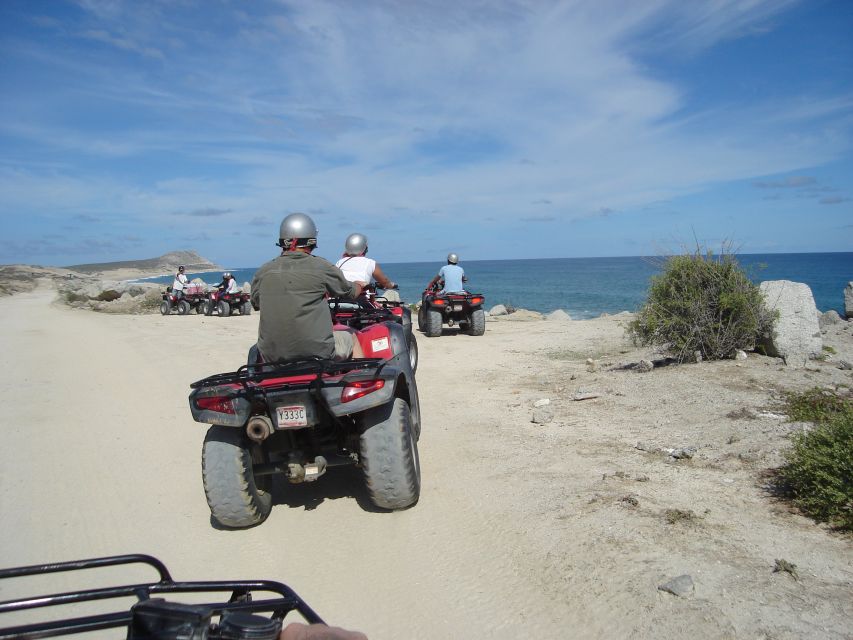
(796, 334)
(110, 296)
(167, 263)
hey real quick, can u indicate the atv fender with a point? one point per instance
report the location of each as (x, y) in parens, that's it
(332, 393)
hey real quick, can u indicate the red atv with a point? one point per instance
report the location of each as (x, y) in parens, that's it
(301, 418)
(224, 304)
(464, 309)
(194, 297)
(370, 308)
(162, 609)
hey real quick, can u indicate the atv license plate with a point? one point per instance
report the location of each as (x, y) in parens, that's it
(457, 307)
(292, 416)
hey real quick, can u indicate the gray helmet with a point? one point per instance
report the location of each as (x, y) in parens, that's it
(226, 275)
(356, 244)
(452, 258)
(298, 227)
(181, 269)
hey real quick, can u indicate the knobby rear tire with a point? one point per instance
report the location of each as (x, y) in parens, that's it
(223, 308)
(433, 323)
(184, 308)
(246, 309)
(389, 456)
(421, 318)
(165, 308)
(236, 498)
(478, 322)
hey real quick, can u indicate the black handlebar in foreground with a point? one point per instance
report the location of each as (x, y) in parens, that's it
(155, 618)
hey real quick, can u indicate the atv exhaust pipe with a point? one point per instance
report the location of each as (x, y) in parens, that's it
(259, 428)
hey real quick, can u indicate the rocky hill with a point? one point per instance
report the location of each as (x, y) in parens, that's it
(165, 264)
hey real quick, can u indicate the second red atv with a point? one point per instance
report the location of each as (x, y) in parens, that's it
(370, 308)
(224, 304)
(464, 309)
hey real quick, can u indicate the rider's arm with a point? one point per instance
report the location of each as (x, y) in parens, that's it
(381, 279)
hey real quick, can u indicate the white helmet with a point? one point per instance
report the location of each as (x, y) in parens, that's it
(226, 275)
(297, 230)
(356, 244)
(452, 258)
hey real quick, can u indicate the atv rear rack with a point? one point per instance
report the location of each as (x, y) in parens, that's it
(155, 618)
(254, 373)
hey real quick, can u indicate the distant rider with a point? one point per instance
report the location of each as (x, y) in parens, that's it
(180, 282)
(228, 284)
(359, 268)
(290, 292)
(452, 275)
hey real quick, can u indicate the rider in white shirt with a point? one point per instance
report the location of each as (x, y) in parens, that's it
(359, 268)
(180, 282)
(232, 285)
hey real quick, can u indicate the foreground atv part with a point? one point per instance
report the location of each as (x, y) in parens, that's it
(152, 617)
(237, 498)
(389, 456)
(413, 351)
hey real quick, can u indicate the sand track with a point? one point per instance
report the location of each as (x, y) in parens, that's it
(522, 530)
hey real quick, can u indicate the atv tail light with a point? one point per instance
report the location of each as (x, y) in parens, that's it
(476, 300)
(219, 404)
(438, 302)
(359, 389)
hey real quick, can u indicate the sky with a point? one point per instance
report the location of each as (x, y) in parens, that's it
(495, 129)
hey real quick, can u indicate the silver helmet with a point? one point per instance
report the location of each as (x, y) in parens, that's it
(452, 258)
(356, 244)
(297, 230)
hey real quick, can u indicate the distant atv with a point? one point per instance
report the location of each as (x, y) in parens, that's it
(194, 297)
(224, 304)
(370, 308)
(464, 309)
(301, 418)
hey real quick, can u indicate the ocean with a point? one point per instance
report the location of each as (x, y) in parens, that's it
(588, 287)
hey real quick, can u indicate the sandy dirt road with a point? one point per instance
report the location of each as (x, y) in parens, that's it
(522, 530)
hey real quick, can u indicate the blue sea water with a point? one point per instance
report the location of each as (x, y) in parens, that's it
(588, 287)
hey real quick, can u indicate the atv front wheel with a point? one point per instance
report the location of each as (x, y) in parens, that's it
(433, 323)
(236, 497)
(478, 322)
(422, 319)
(165, 307)
(184, 308)
(246, 309)
(201, 308)
(413, 352)
(223, 308)
(389, 456)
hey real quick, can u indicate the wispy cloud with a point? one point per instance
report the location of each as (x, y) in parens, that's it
(207, 212)
(786, 183)
(834, 200)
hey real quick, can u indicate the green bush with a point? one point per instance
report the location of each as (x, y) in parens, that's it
(818, 475)
(701, 303)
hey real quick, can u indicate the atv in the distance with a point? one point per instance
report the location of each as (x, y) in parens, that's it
(464, 309)
(299, 419)
(224, 304)
(239, 609)
(371, 308)
(194, 297)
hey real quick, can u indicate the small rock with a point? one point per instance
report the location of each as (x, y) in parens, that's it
(591, 365)
(629, 501)
(682, 453)
(843, 364)
(697, 356)
(558, 315)
(642, 478)
(642, 446)
(787, 567)
(681, 586)
(589, 395)
(829, 318)
(542, 402)
(644, 366)
(740, 354)
(498, 310)
(542, 415)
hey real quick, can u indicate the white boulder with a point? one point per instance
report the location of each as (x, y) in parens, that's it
(796, 334)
